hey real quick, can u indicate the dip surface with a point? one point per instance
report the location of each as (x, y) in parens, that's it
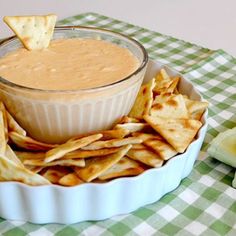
(69, 64)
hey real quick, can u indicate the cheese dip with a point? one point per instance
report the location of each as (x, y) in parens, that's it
(69, 64)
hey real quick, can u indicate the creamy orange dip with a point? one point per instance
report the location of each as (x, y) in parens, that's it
(69, 64)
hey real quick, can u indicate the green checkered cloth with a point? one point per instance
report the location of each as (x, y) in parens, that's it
(205, 202)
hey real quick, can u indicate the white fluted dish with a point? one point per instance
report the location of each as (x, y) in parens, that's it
(98, 201)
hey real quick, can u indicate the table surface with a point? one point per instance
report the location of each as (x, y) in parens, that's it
(208, 23)
(204, 203)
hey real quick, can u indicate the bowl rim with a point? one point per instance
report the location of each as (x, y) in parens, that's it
(73, 28)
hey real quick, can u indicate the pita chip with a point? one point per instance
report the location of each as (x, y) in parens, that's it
(173, 106)
(59, 151)
(29, 143)
(127, 119)
(66, 162)
(139, 146)
(145, 155)
(111, 134)
(35, 32)
(106, 134)
(124, 167)
(112, 143)
(5, 120)
(10, 171)
(195, 108)
(145, 136)
(143, 102)
(173, 86)
(70, 179)
(3, 141)
(13, 125)
(133, 127)
(162, 148)
(29, 155)
(163, 81)
(157, 144)
(162, 98)
(55, 173)
(89, 153)
(10, 154)
(179, 133)
(77, 154)
(35, 169)
(96, 166)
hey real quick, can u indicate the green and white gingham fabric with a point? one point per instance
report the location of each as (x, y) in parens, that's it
(205, 202)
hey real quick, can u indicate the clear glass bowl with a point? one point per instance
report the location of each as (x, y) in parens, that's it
(53, 116)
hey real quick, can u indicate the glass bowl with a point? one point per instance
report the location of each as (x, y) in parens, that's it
(53, 116)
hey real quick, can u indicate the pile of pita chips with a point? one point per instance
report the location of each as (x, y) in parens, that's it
(173, 116)
(161, 124)
(92, 157)
(35, 32)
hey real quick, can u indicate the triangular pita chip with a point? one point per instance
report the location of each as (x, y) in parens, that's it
(35, 32)
(78, 154)
(5, 120)
(29, 143)
(133, 127)
(35, 169)
(127, 119)
(162, 148)
(195, 108)
(162, 75)
(55, 173)
(145, 156)
(173, 85)
(29, 155)
(145, 136)
(106, 134)
(89, 153)
(70, 179)
(3, 141)
(10, 154)
(112, 143)
(139, 146)
(177, 132)
(68, 162)
(98, 165)
(13, 125)
(162, 98)
(10, 171)
(163, 81)
(143, 101)
(124, 167)
(111, 134)
(176, 91)
(173, 107)
(69, 146)
(157, 144)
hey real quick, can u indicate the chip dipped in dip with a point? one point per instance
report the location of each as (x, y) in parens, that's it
(77, 85)
(69, 64)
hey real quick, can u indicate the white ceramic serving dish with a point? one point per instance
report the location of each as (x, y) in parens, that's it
(94, 201)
